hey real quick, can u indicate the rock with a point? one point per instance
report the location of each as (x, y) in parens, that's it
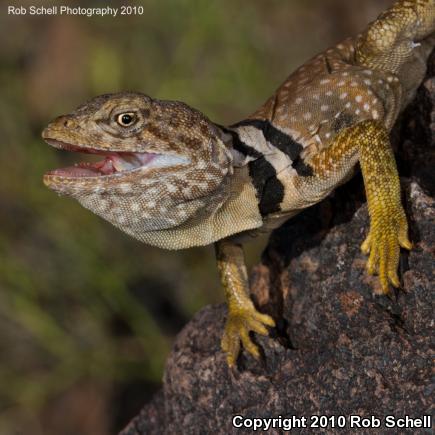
(339, 348)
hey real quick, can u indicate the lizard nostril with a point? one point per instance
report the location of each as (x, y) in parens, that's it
(64, 121)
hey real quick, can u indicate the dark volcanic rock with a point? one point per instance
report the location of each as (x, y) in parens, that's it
(339, 348)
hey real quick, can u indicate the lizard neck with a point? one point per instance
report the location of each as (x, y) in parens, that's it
(237, 213)
(270, 155)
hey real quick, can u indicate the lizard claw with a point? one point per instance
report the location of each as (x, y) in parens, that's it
(239, 323)
(365, 246)
(383, 244)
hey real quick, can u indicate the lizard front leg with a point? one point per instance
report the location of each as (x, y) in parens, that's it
(388, 223)
(242, 315)
(368, 142)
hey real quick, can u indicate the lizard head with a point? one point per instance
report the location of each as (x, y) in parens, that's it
(161, 163)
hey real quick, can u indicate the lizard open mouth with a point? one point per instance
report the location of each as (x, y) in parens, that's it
(112, 163)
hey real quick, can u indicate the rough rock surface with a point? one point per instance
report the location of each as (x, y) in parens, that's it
(339, 348)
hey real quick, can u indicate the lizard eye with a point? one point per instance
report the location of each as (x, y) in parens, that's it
(126, 119)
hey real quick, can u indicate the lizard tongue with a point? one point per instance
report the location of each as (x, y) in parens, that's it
(126, 162)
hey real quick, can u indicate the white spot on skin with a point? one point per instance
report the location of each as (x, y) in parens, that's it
(342, 83)
(151, 192)
(125, 187)
(324, 81)
(367, 82)
(357, 112)
(171, 188)
(210, 177)
(368, 72)
(328, 135)
(103, 204)
(329, 93)
(354, 84)
(307, 116)
(358, 98)
(182, 213)
(324, 107)
(343, 95)
(151, 204)
(366, 107)
(298, 100)
(135, 207)
(375, 114)
(316, 96)
(347, 105)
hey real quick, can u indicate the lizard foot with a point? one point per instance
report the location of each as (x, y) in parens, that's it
(240, 322)
(388, 233)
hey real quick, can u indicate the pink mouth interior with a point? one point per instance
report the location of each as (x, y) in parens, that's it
(112, 163)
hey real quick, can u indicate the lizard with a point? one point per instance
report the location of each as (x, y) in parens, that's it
(172, 178)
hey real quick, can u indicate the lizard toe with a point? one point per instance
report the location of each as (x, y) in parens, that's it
(237, 328)
(383, 244)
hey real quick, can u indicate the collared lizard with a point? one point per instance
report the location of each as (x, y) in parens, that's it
(172, 178)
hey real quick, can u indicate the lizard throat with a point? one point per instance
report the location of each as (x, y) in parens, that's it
(114, 162)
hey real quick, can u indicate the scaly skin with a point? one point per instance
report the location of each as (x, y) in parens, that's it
(174, 179)
(243, 316)
(369, 141)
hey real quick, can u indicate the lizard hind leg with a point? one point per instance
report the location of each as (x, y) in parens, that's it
(242, 315)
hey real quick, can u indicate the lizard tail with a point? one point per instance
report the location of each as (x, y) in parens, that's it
(389, 41)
